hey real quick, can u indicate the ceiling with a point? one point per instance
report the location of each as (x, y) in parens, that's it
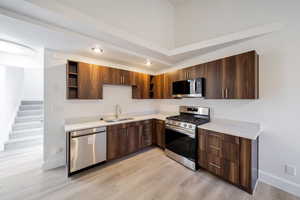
(178, 2)
(40, 27)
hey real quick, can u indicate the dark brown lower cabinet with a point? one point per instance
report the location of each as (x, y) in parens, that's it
(159, 133)
(123, 139)
(234, 159)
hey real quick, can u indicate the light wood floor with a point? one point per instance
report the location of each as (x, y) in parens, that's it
(147, 175)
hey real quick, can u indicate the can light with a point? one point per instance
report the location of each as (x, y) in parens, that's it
(148, 62)
(97, 50)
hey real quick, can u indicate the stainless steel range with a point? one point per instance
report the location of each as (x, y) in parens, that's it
(181, 144)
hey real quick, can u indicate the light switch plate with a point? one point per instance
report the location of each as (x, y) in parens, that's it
(290, 170)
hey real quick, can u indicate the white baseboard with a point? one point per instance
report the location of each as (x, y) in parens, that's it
(280, 183)
(54, 163)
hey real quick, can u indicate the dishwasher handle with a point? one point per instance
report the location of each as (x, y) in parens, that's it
(86, 132)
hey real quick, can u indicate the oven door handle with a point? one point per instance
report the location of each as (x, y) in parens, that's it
(191, 135)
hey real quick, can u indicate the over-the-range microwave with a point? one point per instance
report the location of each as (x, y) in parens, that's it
(189, 88)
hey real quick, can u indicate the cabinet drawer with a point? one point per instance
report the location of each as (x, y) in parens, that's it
(215, 164)
(214, 144)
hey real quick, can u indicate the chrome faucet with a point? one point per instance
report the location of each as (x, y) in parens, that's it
(118, 111)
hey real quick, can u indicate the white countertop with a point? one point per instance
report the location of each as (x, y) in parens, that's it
(236, 128)
(99, 123)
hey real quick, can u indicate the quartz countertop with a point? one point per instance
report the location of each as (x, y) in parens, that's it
(99, 123)
(242, 129)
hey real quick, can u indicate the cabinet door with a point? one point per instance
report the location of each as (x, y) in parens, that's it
(145, 86)
(158, 86)
(200, 71)
(167, 86)
(229, 74)
(146, 133)
(202, 140)
(214, 80)
(111, 76)
(116, 142)
(125, 77)
(89, 81)
(160, 133)
(247, 76)
(133, 138)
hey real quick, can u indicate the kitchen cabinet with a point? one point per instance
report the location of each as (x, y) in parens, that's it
(159, 133)
(234, 77)
(84, 81)
(213, 84)
(116, 141)
(116, 76)
(146, 129)
(127, 138)
(90, 81)
(231, 158)
(158, 82)
(142, 89)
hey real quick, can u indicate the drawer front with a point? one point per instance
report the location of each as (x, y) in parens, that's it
(214, 144)
(215, 164)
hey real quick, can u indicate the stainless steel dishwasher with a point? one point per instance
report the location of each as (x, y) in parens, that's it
(86, 148)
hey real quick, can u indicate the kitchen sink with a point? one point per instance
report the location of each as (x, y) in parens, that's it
(118, 120)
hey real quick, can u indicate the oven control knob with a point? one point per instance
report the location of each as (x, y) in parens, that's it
(184, 125)
(190, 126)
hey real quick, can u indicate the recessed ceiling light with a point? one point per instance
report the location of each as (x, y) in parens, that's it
(15, 48)
(148, 63)
(98, 50)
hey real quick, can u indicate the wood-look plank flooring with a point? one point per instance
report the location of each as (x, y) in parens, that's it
(148, 175)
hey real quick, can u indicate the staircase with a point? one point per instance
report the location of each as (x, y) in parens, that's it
(27, 130)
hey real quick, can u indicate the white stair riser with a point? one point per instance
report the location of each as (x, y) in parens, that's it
(27, 126)
(31, 107)
(23, 144)
(29, 119)
(22, 134)
(31, 102)
(29, 113)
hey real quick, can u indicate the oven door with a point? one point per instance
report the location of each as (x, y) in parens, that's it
(181, 143)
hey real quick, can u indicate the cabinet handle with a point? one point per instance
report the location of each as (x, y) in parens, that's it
(223, 93)
(214, 147)
(226, 93)
(214, 165)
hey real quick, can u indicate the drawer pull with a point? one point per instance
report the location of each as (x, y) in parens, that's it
(214, 165)
(214, 147)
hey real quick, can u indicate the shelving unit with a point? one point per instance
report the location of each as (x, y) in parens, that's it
(72, 80)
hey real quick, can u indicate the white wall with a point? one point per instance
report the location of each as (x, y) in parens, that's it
(11, 81)
(149, 20)
(278, 108)
(58, 109)
(33, 84)
(198, 20)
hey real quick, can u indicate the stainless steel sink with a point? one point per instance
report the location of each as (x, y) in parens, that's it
(118, 120)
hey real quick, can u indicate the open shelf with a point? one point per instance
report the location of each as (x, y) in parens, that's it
(72, 80)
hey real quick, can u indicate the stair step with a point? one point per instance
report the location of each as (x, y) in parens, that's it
(30, 113)
(31, 102)
(26, 133)
(23, 142)
(29, 118)
(27, 125)
(31, 107)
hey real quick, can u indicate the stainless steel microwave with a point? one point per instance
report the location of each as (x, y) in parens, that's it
(189, 88)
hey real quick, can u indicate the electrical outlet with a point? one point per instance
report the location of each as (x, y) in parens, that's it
(290, 170)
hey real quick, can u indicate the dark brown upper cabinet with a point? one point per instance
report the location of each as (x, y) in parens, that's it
(234, 77)
(84, 81)
(213, 85)
(142, 88)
